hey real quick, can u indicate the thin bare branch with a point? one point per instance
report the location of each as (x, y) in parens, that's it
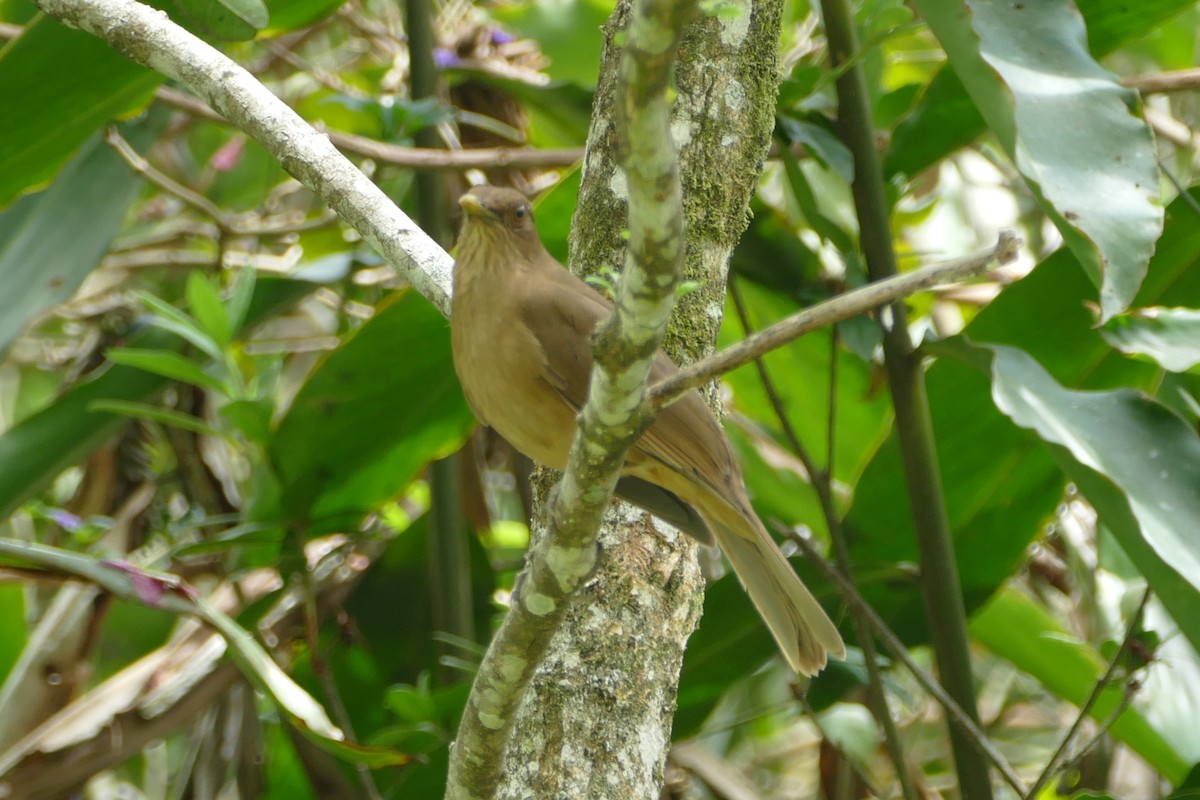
(426, 158)
(1085, 710)
(970, 729)
(172, 187)
(1183, 80)
(858, 301)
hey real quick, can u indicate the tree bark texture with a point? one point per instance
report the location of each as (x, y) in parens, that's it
(596, 722)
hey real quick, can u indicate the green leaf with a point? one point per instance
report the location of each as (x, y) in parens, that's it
(39, 265)
(374, 412)
(240, 297)
(259, 666)
(1088, 159)
(226, 20)
(168, 364)
(1147, 452)
(164, 416)
(171, 319)
(1014, 627)
(946, 119)
(35, 451)
(290, 15)
(47, 112)
(1169, 336)
(14, 631)
(1006, 485)
(251, 417)
(205, 303)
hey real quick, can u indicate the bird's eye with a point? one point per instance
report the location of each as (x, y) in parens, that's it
(520, 212)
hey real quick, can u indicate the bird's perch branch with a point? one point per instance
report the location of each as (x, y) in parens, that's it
(147, 36)
(615, 410)
(866, 298)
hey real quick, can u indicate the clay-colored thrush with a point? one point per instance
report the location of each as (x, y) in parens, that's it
(521, 328)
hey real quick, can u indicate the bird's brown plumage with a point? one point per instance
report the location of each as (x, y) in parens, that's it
(521, 329)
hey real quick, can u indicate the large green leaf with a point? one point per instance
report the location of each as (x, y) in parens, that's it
(1022, 631)
(1067, 125)
(57, 86)
(1148, 453)
(39, 266)
(1170, 336)
(1091, 160)
(946, 119)
(378, 409)
(1004, 484)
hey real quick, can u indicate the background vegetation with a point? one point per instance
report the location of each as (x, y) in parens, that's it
(207, 373)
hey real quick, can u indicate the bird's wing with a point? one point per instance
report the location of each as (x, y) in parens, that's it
(561, 312)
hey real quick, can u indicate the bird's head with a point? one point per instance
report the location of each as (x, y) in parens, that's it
(498, 219)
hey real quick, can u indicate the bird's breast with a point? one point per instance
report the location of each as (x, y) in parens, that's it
(501, 366)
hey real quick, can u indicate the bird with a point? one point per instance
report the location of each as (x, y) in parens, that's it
(521, 329)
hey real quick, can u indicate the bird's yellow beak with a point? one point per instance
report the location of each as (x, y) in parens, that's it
(473, 207)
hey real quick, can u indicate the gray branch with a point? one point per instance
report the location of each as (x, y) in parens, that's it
(614, 415)
(837, 309)
(148, 36)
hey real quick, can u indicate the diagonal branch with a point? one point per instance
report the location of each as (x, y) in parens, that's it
(968, 727)
(866, 298)
(147, 36)
(1058, 758)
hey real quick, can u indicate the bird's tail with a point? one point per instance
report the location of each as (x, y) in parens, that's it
(800, 626)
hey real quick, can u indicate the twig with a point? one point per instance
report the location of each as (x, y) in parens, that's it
(1179, 81)
(143, 167)
(858, 301)
(428, 158)
(974, 734)
(1086, 709)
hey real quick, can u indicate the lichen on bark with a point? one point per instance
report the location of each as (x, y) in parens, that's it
(596, 721)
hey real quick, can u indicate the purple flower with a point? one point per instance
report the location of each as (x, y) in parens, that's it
(443, 58)
(65, 519)
(502, 37)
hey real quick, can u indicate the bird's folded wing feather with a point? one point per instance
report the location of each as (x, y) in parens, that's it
(561, 313)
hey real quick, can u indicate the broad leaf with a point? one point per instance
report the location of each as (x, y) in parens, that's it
(1169, 336)
(47, 112)
(1067, 125)
(1150, 455)
(377, 410)
(39, 265)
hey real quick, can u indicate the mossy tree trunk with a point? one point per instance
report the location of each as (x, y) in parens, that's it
(597, 719)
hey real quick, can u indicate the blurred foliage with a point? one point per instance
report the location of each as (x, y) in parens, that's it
(252, 397)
